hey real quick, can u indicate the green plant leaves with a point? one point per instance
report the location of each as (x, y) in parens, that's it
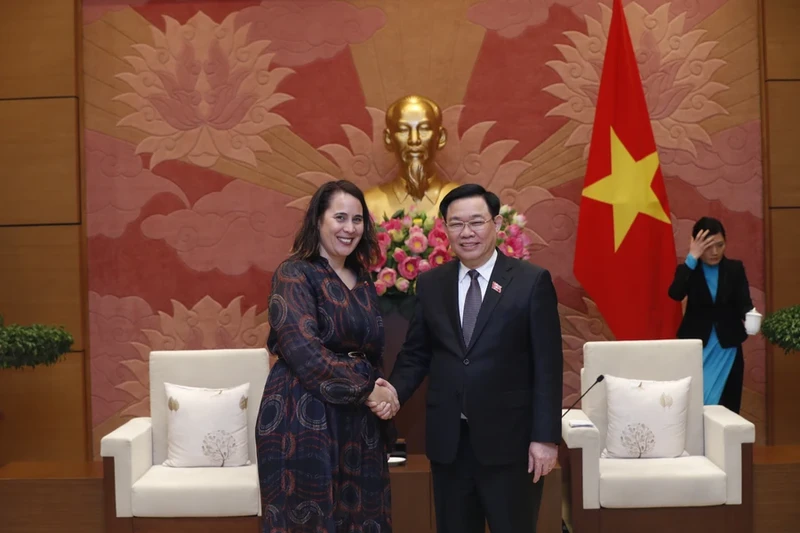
(33, 345)
(782, 328)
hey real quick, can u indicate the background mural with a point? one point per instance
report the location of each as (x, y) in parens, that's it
(208, 124)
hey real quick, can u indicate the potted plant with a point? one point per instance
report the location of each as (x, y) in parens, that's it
(30, 346)
(782, 328)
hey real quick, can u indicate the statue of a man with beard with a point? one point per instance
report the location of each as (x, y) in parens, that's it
(414, 133)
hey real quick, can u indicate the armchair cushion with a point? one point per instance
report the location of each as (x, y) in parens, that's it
(646, 418)
(191, 492)
(206, 426)
(691, 481)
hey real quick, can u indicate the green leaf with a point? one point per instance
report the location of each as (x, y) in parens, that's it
(782, 328)
(29, 346)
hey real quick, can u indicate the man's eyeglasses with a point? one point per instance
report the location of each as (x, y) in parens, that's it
(474, 225)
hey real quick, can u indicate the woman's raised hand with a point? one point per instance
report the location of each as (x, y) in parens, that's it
(699, 243)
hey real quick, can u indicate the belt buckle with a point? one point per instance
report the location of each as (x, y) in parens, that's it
(356, 355)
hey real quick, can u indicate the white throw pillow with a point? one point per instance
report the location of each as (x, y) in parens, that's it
(646, 419)
(206, 427)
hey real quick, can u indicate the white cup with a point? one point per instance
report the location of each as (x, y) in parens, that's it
(752, 322)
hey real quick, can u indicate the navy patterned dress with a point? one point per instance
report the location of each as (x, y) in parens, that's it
(322, 460)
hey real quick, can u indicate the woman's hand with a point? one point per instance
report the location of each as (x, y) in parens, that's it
(699, 243)
(383, 400)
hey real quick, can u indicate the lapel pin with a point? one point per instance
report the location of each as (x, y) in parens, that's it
(496, 287)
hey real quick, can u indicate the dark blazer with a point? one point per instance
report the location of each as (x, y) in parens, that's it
(726, 314)
(508, 381)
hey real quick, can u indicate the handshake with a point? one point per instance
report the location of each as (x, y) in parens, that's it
(383, 400)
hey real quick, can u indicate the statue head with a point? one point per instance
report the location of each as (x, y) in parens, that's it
(414, 133)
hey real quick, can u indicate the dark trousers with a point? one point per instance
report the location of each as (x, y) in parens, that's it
(467, 494)
(732, 393)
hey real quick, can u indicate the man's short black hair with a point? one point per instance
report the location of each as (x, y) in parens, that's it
(470, 190)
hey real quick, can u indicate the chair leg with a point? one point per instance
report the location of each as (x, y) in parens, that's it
(113, 523)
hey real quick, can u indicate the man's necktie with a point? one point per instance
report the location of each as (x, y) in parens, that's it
(472, 304)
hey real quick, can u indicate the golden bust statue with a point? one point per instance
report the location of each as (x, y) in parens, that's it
(414, 133)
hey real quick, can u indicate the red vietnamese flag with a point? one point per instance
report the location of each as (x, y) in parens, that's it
(625, 250)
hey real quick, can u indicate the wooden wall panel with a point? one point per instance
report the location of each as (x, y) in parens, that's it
(780, 47)
(785, 225)
(39, 149)
(42, 412)
(40, 277)
(785, 376)
(783, 132)
(38, 48)
(782, 39)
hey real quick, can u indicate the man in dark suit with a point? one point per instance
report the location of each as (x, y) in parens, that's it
(486, 332)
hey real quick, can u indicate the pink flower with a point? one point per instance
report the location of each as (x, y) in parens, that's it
(415, 229)
(526, 243)
(424, 266)
(402, 284)
(409, 267)
(439, 256)
(512, 247)
(407, 221)
(438, 238)
(417, 242)
(384, 240)
(501, 235)
(513, 230)
(387, 276)
(439, 224)
(399, 255)
(391, 224)
(380, 287)
(518, 219)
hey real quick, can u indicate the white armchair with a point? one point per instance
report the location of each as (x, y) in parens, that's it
(138, 486)
(707, 489)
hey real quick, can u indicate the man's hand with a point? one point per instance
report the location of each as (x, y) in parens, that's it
(383, 400)
(542, 458)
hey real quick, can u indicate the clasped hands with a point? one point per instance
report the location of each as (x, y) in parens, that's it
(383, 400)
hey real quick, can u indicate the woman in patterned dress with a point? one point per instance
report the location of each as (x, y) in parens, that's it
(322, 453)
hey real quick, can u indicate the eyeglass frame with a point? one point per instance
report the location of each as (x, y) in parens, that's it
(479, 227)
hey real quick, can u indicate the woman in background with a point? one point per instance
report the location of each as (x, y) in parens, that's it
(322, 453)
(717, 299)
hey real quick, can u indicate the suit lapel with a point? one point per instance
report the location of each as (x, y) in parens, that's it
(451, 301)
(501, 276)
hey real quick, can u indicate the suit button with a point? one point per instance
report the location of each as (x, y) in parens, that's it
(466, 362)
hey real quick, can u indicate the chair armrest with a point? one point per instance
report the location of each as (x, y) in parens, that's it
(587, 439)
(724, 434)
(131, 446)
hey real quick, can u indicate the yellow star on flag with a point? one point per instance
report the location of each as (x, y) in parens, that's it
(628, 189)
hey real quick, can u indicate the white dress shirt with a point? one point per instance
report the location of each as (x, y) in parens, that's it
(484, 274)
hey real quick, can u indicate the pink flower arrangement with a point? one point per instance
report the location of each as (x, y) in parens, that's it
(411, 243)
